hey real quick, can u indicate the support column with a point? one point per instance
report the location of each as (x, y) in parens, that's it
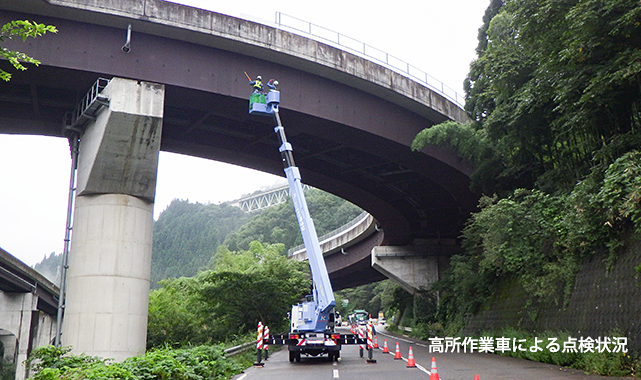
(16, 314)
(9, 345)
(110, 257)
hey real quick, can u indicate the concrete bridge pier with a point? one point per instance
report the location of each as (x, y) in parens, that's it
(110, 257)
(17, 314)
(414, 267)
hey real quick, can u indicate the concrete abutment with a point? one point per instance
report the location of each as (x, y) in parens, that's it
(414, 267)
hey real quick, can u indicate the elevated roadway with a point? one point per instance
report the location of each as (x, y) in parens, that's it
(351, 121)
(28, 306)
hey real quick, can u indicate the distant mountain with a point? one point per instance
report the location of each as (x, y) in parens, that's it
(187, 235)
(50, 267)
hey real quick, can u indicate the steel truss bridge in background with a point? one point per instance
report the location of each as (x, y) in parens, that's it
(265, 199)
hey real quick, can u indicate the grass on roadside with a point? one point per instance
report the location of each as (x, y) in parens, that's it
(192, 363)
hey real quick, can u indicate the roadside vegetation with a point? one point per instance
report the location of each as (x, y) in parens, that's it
(193, 363)
(555, 102)
(226, 303)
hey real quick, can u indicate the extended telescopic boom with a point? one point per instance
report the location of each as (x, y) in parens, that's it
(323, 293)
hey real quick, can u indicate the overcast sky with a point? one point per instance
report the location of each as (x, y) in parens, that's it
(437, 37)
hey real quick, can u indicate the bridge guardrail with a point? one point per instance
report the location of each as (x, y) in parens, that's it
(359, 219)
(370, 53)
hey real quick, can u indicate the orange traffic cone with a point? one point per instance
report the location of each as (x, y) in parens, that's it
(476, 377)
(385, 349)
(410, 360)
(433, 371)
(397, 354)
(375, 341)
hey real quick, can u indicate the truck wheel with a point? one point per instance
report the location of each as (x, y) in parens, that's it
(360, 352)
(292, 356)
(298, 357)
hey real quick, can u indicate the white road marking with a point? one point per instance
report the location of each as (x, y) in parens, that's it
(427, 371)
(336, 374)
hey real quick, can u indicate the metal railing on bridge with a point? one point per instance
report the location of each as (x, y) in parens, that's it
(86, 110)
(363, 217)
(368, 52)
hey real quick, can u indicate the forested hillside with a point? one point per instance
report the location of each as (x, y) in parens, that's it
(50, 267)
(187, 235)
(555, 98)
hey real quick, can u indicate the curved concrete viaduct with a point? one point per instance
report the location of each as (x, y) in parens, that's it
(350, 121)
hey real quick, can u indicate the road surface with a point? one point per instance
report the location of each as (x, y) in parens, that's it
(450, 366)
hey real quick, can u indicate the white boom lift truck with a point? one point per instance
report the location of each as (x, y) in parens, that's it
(312, 321)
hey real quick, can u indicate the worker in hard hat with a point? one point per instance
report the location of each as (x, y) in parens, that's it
(257, 84)
(272, 84)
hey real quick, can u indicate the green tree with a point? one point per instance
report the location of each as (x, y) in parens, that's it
(176, 300)
(22, 29)
(186, 236)
(221, 304)
(587, 54)
(554, 91)
(259, 284)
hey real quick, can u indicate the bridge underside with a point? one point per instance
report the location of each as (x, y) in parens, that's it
(384, 178)
(353, 266)
(349, 142)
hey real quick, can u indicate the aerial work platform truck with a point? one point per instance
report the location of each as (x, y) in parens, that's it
(313, 320)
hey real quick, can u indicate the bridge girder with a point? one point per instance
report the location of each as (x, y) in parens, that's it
(351, 129)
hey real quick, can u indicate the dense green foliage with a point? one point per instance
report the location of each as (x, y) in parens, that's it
(278, 224)
(22, 29)
(186, 236)
(539, 240)
(259, 284)
(383, 296)
(554, 92)
(555, 99)
(196, 363)
(7, 370)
